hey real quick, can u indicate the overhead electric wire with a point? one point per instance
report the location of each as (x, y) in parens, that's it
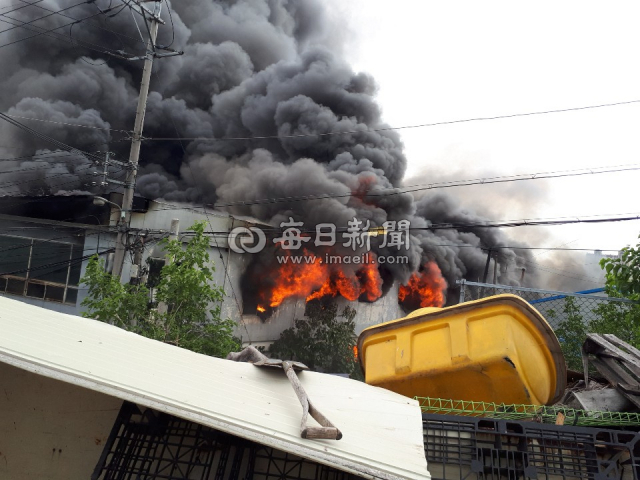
(21, 6)
(53, 34)
(62, 155)
(68, 124)
(464, 226)
(528, 223)
(51, 166)
(53, 141)
(173, 28)
(23, 24)
(384, 129)
(55, 154)
(77, 20)
(43, 167)
(57, 175)
(418, 187)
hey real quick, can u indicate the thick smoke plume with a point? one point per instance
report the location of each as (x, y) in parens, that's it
(251, 68)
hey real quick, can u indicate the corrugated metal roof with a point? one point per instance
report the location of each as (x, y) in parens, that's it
(382, 430)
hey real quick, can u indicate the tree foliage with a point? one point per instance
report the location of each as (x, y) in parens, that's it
(185, 295)
(571, 332)
(324, 341)
(622, 280)
(623, 273)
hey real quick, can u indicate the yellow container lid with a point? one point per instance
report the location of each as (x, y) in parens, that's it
(497, 349)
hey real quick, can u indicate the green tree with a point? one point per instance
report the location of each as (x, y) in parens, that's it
(571, 332)
(184, 291)
(622, 280)
(324, 341)
(622, 274)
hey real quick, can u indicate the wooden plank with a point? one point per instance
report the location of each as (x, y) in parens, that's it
(611, 372)
(619, 343)
(630, 361)
(634, 389)
(606, 400)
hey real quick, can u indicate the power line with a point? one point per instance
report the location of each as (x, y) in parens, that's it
(553, 271)
(454, 245)
(23, 24)
(67, 124)
(42, 136)
(118, 34)
(21, 6)
(467, 226)
(528, 223)
(57, 175)
(36, 157)
(50, 155)
(384, 129)
(431, 186)
(37, 168)
(57, 36)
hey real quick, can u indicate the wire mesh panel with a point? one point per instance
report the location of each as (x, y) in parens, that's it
(145, 445)
(475, 448)
(535, 413)
(556, 307)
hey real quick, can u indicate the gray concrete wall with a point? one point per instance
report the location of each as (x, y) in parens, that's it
(367, 314)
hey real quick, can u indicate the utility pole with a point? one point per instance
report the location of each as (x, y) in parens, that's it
(486, 267)
(152, 20)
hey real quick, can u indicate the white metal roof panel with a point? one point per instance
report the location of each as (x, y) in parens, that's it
(382, 431)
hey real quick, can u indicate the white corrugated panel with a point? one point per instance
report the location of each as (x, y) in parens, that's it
(382, 431)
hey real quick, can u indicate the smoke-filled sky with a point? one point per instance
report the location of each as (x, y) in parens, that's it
(290, 67)
(441, 61)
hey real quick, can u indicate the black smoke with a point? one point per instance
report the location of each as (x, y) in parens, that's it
(251, 68)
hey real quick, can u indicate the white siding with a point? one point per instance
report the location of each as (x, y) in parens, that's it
(382, 430)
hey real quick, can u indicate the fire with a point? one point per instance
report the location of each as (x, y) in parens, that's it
(317, 280)
(261, 309)
(425, 288)
(371, 282)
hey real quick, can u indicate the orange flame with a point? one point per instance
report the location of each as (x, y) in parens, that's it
(317, 279)
(425, 288)
(261, 309)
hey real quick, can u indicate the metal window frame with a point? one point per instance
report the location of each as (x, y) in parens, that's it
(27, 278)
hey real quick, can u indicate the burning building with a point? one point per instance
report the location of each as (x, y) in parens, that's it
(261, 117)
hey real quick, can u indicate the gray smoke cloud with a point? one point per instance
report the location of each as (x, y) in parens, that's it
(251, 68)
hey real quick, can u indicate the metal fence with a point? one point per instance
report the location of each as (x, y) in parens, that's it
(556, 307)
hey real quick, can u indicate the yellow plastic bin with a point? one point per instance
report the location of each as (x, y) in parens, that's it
(498, 349)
